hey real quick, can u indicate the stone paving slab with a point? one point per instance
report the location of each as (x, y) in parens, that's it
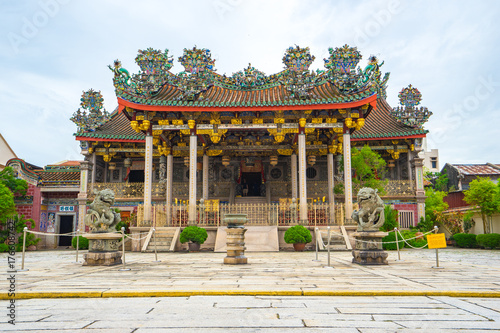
(219, 314)
(464, 270)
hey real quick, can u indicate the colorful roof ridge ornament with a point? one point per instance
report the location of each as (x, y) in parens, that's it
(197, 60)
(409, 114)
(153, 61)
(296, 78)
(249, 77)
(91, 102)
(343, 59)
(298, 59)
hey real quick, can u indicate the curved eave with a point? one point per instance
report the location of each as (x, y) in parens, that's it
(388, 136)
(23, 166)
(372, 100)
(111, 138)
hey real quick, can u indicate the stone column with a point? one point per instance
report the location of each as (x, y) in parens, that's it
(94, 171)
(148, 176)
(294, 175)
(331, 198)
(302, 180)
(85, 167)
(420, 192)
(169, 185)
(205, 177)
(347, 174)
(193, 145)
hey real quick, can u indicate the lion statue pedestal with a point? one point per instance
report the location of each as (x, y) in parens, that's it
(103, 243)
(370, 217)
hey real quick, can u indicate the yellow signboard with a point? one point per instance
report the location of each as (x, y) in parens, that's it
(436, 241)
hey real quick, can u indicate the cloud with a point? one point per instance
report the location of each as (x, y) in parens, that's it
(444, 48)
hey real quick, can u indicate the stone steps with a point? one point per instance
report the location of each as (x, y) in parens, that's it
(164, 239)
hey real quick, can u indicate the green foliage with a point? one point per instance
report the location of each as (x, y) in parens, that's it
(338, 188)
(7, 206)
(425, 225)
(124, 224)
(20, 223)
(410, 237)
(298, 234)
(391, 237)
(83, 243)
(194, 234)
(17, 186)
(370, 167)
(4, 247)
(391, 219)
(434, 203)
(438, 180)
(484, 194)
(465, 240)
(489, 241)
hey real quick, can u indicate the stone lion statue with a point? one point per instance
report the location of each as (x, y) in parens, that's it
(100, 217)
(370, 216)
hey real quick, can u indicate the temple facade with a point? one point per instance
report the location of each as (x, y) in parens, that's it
(181, 148)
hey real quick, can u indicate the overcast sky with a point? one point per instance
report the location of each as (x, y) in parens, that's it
(52, 50)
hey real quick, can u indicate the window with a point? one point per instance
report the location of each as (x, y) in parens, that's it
(434, 162)
(311, 173)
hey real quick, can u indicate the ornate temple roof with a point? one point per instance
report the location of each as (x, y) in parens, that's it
(117, 128)
(342, 84)
(380, 124)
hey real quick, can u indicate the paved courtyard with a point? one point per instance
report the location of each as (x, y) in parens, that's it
(285, 291)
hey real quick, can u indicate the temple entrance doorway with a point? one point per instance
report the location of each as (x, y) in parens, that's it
(251, 180)
(65, 226)
(136, 176)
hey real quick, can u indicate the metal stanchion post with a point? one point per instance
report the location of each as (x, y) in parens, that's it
(24, 250)
(156, 250)
(77, 245)
(123, 251)
(328, 246)
(316, 231)
(397, 243)
(437, 251)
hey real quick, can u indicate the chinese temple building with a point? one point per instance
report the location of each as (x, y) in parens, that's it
(182, 146)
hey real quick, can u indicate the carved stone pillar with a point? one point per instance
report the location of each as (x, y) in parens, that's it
(205, 177)
(331, 198)
(294, 175)
(347, 174)
(169, 185)
(193, 146)
(302, 180)
(85, 167)
(148, 177)
(419, 186)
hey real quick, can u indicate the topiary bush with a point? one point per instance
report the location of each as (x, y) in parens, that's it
(465, 240)
(298, 234)
(4, 247)
(488, 241)
(391, 237)
(193, 234)
(83, 243)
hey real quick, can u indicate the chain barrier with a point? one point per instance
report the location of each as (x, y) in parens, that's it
(73, 233)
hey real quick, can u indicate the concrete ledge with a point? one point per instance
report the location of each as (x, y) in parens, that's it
(188, 293)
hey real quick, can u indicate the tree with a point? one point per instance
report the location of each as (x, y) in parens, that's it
(10, 186)
(484, 194)
(369, 167)
(439, 180)
(7, 206)
(434, 203)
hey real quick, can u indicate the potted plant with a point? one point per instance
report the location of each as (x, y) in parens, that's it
(195, 236)
(299, 236)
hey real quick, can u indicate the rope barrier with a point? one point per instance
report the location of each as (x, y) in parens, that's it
(391, 242)
(413, 247)
(51, 234)
(136, 239)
